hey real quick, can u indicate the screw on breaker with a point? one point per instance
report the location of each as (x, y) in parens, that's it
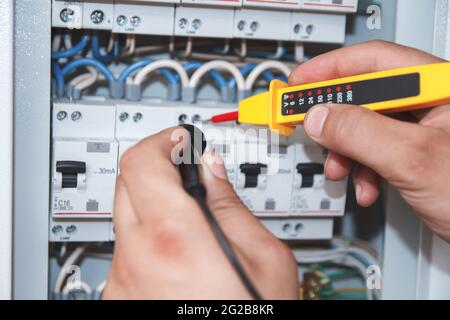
(182, 23)
(137, 117)
(71, 229)
(76, 115)
(121, 20)
(135, 21)
(61, 115)
(196, 24)
(57, 229)
(97, 16)
(123, 116)
(66, 15)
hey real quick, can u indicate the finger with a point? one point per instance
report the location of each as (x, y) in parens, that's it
(438, 118)
(152, 179)
(367, 185)
(125, 218)
(232, 214)
(337, 167)
(362, 58)
(396, 150)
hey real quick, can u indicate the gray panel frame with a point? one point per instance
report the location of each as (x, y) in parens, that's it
(31, 147)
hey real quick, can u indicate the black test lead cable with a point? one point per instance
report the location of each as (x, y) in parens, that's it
(192, 184)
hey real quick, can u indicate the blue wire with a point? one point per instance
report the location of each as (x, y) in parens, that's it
(214, 74)
(170, 77)
(56, 55)
(89, 62)
(57, 72)
(95, 45)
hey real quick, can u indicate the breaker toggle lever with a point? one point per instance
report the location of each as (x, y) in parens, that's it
(70, 175)
(308, 171)
(251, 172)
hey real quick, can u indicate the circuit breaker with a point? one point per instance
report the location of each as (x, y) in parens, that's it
(84, 170)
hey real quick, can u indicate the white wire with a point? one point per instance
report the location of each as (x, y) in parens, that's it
(71, 260)
(78, 284)
(259, 69)
(89, 81)
(217, 65)
(67, 41)
(144, 73)
(56, 42)
(242, 53)
(83, 76)
(111, 43)
(279, 53)
(188, 50)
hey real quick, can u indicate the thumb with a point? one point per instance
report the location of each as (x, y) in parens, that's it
(222, 199)
(392, 148)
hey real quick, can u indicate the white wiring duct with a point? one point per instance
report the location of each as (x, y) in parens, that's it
(70, 261)
(259, 69)
(217, 65)
(152, 67)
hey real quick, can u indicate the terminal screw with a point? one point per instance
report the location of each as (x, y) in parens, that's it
(196, 24)
(123, 117)
(135, 21)
(121, 20)
(71, 229)
(57, 229)
(61, 115)
(254, 26)
(137, 117)
(297, 28)
(182, 23)
(309, 29)
(76, 115)
(66, 15)
(97, 16)
(241, 25)
(182, 119)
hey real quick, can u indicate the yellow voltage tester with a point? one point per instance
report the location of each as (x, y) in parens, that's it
(283, 107)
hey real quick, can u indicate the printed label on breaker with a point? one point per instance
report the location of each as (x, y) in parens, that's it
(356, 93)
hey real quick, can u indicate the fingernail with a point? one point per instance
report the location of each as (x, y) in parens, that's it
(214, 163)
(315, 121)
(359, 192)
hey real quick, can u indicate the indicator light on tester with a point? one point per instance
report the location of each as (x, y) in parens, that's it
(329, 90)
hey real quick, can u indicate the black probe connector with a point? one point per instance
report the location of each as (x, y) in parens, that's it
(190, 174)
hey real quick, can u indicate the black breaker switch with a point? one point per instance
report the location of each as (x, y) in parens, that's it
(251, 172)
(308, 171)
(69, 171)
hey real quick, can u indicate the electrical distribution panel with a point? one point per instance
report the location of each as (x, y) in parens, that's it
(321, 21)
(281, 180)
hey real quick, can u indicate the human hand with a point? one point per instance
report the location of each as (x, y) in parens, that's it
(413, 156)
(164, 246)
